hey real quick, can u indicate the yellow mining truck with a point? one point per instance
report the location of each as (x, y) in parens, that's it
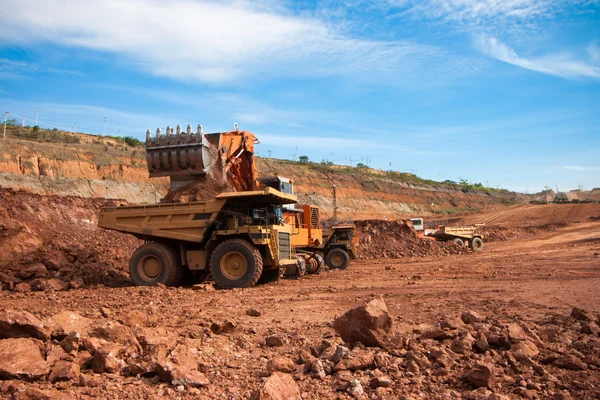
(468, 236)
(236, 238)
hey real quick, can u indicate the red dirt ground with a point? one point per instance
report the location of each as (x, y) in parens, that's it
(531, 279)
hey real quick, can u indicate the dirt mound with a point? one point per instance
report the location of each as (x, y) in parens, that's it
(396, 239)
(204, 189)
(53, 242)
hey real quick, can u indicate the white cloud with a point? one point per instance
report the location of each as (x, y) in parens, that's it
(487, 13)
(563, 65)
(581, 168)
(207, 41)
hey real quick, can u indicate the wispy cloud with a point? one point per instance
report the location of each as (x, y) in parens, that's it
(580, 168)
(210, 41)
(13, 69)
(487, 13)
(564, 65)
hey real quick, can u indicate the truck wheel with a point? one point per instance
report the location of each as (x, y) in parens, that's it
(477, 244)
(314, 264)
(337, 259)
(459, 242)
(235, 263)
(154, 263)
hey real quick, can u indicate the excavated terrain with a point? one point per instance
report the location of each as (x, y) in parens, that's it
(518, 320)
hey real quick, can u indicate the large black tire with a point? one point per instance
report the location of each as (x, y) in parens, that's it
(476, 244)
(337, 258)
(154, 263)
(314, 264)
(235, 263)
(459, 242)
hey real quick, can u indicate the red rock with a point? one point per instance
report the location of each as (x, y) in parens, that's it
(16, 323)
(281, 364)
(22, 359)
(71, 343)
(33, 271)
(54, 353)
(274, 341)
(367, 324)
(56, 284)
(591, 329)
(150, 337)
(470, 317)
(569, 361)
(380, 381)
(524, 349)
(225, 327)
(64, 371)
(115, 332)
(481, 375)
(356, 359)
(181, 368)
(66, 322)
(23, 287)
(516, 333)
(106, 359)
(135, 318)
(580, 314)
(279, 386)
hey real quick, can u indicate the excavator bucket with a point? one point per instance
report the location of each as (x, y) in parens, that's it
(226, 157)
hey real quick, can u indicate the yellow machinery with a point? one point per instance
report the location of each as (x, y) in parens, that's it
(237, 238)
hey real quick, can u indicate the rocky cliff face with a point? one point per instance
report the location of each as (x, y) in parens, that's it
(103, 167)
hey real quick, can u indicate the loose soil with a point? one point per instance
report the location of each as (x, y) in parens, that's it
(238, 339)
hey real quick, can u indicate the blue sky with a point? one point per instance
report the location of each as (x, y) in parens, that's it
(499, 91)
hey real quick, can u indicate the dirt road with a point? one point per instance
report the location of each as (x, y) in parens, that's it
(534, 280)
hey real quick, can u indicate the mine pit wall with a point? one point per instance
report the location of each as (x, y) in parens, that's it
(80, 177)
(367, 195)
(360, 195)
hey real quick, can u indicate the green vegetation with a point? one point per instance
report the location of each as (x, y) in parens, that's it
(303, 159)
(43, 135)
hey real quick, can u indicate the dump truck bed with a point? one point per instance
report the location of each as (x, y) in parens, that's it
(448, 232)
(182, 221)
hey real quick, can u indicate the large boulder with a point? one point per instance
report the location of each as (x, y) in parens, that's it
(16, 323)
(367, 324)
(22, 358)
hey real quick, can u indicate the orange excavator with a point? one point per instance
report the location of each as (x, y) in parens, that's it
(227, 158)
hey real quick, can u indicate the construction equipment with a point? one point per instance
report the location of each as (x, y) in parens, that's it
(334, 247)
(461, 235)
(237, 238)
(226, 157)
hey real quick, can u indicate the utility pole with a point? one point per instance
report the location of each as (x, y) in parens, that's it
(334, 203)
(23, 122)
(546, 190)
(5, 117)
(269, 153)
(104, 125)
(390, 166)
(37, 114)
(74, 126)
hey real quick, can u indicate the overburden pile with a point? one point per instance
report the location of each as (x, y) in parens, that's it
(396, 239)
(54, 243)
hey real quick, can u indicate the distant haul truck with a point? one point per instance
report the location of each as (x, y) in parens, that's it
(237, 238)
(462, 235)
